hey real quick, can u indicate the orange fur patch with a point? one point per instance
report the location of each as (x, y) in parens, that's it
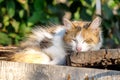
(90, 36)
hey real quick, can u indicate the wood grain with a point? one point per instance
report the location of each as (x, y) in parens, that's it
(95, 58)
(24, 71)
(104, 58)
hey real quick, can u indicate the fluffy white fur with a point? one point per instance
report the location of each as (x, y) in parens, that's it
(57, 52)
(84, 46)
(79, 43)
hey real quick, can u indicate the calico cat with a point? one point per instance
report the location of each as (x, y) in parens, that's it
(83, 36)
(51, 45)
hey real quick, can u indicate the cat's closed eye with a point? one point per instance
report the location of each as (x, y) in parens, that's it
(88, 40)
(74, 40)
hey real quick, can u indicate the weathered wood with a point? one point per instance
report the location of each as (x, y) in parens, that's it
(109, 58)
(96, 58)
(7, 51)
(24, 71)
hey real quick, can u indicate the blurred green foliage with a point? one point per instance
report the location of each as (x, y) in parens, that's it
(17, 17)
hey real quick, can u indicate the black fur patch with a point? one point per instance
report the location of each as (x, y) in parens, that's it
(45, 43)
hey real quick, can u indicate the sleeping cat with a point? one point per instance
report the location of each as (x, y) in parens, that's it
(51, 45)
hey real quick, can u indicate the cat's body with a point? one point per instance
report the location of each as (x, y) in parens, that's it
(51, 45)
(48, 44)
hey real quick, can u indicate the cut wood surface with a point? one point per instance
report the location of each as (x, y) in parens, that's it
(104, 57)
(24, 71)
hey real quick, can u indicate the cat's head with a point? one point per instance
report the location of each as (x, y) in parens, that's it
(82, 35)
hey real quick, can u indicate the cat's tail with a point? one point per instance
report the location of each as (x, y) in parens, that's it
(38, 35)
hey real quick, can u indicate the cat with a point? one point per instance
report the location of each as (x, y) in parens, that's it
(50, 45)
(83, 35)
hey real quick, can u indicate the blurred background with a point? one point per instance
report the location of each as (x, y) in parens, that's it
(18, 17)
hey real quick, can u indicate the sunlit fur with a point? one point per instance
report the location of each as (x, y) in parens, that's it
(72, 36)
(84, 35)
(56, 52)
(31, 55)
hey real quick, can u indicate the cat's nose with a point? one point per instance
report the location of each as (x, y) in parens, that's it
(79, 49)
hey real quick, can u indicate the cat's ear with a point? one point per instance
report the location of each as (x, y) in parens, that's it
(95, 23)
(68, 24)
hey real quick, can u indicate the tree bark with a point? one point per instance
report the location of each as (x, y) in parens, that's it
(101, 58)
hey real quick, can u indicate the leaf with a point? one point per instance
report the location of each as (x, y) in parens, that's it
(21, 13)
(29, 24)
(6, 23)
(37, 16)
(17, 39)
(22, 1)
(116, 39)
(12, 35)
(4, 39)
(1, 1)
(3, 10)
(6, 20)
(51, 20)
(10, 8)
(84, 15)
(111, 3)
(15, 24)
(39, 5)
(107, 12)
(86, 3)
(74, 6)
(22, 28)
(77, 14)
